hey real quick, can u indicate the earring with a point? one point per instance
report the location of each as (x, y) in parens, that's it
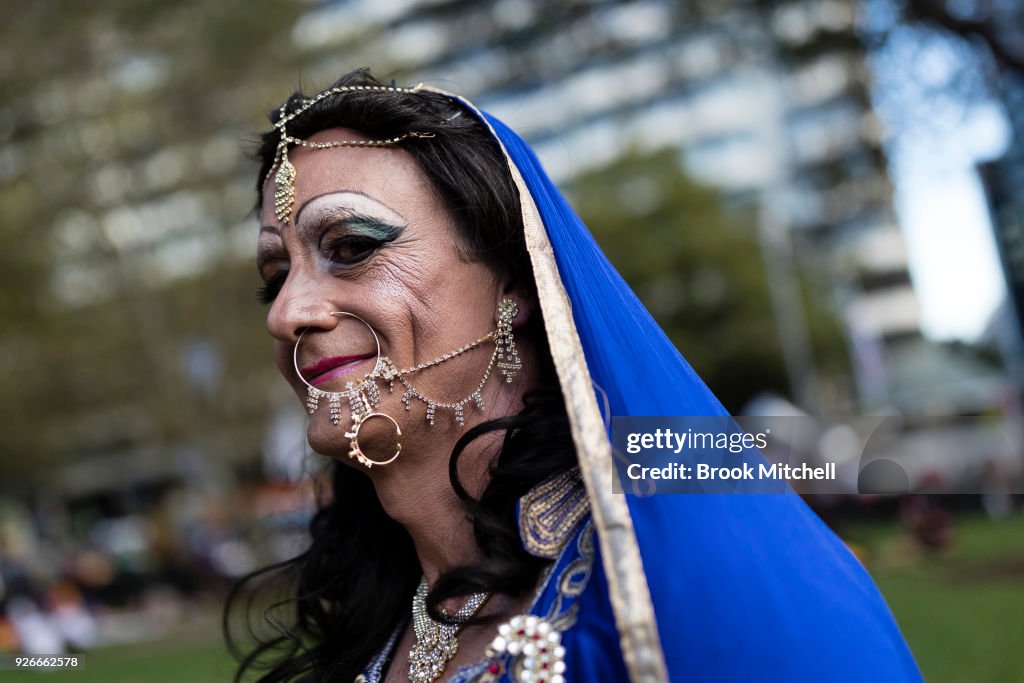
(508, 357)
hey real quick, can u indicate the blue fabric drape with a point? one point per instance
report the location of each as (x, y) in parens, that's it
(745, 587)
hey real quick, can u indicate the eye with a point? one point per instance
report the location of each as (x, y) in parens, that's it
(350, 249)
(270, 289)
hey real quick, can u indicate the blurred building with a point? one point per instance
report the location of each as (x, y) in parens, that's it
(1003, 179)
(123, 165)
(767, 101)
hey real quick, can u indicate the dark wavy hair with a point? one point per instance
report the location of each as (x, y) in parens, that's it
(322, 615)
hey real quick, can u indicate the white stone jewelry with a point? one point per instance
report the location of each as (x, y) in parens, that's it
(436, 643)
(364, 396)
(536, 649)
(352, 391)
(505, 356)
(390, 374)
(284, 179)
(504, 343)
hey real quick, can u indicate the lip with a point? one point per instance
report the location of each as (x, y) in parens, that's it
(327, 369)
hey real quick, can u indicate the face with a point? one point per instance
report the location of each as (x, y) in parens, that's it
(371, 238)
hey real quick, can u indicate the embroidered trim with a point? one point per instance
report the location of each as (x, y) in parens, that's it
(373, 671)
(550, 512)
(572, 581)
(561, 615)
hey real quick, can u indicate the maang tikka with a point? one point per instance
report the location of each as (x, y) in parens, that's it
(363, 396)
(284, 178)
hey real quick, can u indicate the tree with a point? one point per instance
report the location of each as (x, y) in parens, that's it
(697, 266)
(125, 114)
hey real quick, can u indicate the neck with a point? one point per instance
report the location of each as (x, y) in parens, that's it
(420, 497)
(418, 494)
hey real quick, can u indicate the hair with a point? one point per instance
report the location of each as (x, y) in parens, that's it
(333, 606)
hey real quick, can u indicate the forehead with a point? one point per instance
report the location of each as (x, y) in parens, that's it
(386, 175)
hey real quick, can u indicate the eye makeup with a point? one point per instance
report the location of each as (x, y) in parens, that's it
(365, 227)
(367, 215)
(348, 240)
(344, 228)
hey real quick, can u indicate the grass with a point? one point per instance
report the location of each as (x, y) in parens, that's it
(962, 613)
(196, 656)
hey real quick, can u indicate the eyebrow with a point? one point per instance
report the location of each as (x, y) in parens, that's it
(354, 202)
(349, 214)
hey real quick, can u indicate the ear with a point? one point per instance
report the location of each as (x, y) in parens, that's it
(526, 303)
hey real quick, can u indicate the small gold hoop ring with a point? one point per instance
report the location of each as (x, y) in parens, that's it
(357, 453)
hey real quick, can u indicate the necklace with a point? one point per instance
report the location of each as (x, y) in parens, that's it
(436, 643)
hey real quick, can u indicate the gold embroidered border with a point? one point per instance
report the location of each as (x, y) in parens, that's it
(572, 582)
(550, 512)
(627, 584)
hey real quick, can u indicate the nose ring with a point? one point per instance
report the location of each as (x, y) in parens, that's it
(362, 397)
(313, 391)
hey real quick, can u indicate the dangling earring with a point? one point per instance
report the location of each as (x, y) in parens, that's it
(508, 357)
(505, 357)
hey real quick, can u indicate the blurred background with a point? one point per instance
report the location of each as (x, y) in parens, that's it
(821, 201)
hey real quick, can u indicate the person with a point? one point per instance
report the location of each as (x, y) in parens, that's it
(460, 342)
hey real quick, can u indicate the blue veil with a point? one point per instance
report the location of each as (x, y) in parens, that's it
(701, 587)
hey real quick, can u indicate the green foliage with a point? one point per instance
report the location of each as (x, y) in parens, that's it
(155, 81)
(697, 266)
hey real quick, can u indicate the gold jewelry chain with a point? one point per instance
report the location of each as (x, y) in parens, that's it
(354, 143)
(389, 373)
(282, 169)
(440, 359)
(364, 396)
(309, 102)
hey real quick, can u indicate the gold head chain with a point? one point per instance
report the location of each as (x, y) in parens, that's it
(284, 180)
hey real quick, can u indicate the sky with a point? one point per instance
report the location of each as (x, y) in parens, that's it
(942, 211)
(941, 123)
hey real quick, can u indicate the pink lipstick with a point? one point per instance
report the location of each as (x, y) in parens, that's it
(327, 369)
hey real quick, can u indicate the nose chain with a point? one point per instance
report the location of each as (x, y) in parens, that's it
(364, 396)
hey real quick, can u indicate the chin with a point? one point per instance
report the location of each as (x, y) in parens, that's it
(326, 438)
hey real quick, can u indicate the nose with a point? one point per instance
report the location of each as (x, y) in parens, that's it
(299, 305)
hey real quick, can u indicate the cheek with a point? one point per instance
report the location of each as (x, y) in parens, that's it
(462, 309)
(283, 360)
(415, 287)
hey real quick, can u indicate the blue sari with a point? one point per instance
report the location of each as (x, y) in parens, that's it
(678, 587)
